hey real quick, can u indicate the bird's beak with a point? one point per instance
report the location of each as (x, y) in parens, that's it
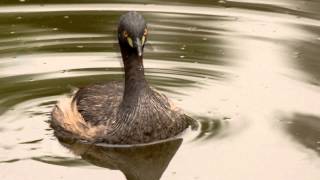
(138, 45)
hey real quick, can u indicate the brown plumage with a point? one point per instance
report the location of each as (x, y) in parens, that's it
(128, 112)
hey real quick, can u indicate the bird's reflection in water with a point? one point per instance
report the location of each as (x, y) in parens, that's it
(137, 162)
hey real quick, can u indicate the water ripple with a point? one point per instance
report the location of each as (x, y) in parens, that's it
(229, 64)
(213, 11)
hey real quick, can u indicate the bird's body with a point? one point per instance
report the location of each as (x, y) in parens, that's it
(128, 112)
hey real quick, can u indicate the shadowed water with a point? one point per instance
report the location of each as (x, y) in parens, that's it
(247, 70)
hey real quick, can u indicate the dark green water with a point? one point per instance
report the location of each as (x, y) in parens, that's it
(247, 70)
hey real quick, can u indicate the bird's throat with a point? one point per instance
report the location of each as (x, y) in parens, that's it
(135, 82)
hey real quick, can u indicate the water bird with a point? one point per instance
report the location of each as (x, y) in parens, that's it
(129, 112)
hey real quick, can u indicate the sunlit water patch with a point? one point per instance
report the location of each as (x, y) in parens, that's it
(247, 71)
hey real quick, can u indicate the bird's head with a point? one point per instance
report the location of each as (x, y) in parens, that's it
(132, 32)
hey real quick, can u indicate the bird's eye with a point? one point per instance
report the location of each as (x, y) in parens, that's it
(125, 34)
(143, 39)
(145, 32)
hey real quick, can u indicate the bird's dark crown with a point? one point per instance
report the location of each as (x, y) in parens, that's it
(133, 23)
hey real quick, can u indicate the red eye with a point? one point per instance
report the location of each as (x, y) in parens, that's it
(145, 32)
(125, 34)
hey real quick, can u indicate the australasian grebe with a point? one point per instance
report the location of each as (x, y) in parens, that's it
(128, 112)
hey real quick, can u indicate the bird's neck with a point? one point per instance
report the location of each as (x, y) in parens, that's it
(135, 82)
